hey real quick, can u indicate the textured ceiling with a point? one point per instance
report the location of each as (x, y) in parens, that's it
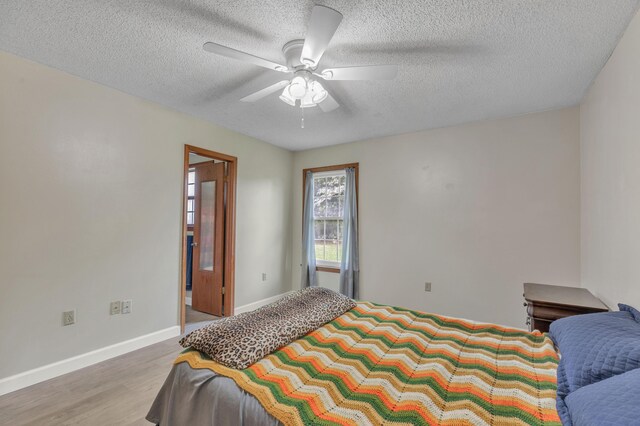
(459, 60)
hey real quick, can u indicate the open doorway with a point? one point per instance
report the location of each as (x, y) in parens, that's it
(208, 237)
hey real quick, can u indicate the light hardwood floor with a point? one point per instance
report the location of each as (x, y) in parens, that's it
(115, 392)
(193, 316)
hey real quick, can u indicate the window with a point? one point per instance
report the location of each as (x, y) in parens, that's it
(328, 199)
(191, 200)
(328, 208)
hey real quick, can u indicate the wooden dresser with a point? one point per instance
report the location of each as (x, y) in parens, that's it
(547, 303)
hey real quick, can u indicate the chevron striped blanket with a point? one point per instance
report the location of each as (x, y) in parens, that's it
(379, 365)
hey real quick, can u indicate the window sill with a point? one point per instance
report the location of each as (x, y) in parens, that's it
(328, 269)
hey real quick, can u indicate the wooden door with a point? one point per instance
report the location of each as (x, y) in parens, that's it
(208, 239)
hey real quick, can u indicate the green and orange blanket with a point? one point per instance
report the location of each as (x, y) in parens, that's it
(385, 365)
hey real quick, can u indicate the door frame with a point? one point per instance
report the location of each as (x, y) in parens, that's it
(229, 273)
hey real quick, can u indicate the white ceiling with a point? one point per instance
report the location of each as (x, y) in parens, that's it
(459, 60)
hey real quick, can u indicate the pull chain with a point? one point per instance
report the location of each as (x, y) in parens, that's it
(302, 119)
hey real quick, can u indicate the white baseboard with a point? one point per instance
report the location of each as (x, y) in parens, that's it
(255, 305)
(46, 372)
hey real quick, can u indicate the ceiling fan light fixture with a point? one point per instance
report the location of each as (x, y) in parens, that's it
(287, 98)
(298, 87)
(307, 101)
(318, 93)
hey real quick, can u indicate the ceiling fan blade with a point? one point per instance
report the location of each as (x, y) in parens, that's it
(256, 96)
(371, 72)
(322, 25)
(329, 104)
(228, 52)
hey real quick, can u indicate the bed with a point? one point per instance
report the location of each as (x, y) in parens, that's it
(371, 364)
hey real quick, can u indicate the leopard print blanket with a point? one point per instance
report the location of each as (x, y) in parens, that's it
(241, 340)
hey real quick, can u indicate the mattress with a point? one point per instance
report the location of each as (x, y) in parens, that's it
(201, 397)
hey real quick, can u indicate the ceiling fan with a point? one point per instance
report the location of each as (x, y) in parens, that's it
(302, 58)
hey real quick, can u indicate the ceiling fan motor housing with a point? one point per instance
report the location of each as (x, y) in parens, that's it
(292, 51)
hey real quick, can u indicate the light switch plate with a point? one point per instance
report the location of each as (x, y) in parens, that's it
(126, 306)
(427, 286)
(115, 307)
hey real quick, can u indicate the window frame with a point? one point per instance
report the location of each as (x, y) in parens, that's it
(334, 168)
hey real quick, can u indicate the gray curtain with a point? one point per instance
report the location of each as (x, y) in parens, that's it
(349, 266)
(308, 236)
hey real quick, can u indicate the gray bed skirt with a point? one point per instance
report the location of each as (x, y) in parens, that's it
(204, 398)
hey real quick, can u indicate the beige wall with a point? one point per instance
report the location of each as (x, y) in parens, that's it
(477, 210)
(610, 151)
(94, 214)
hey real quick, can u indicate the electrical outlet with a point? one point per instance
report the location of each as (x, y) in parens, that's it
(264, 276)
(69, 317)
(427, 286)
(115, 307)
(126, 306)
